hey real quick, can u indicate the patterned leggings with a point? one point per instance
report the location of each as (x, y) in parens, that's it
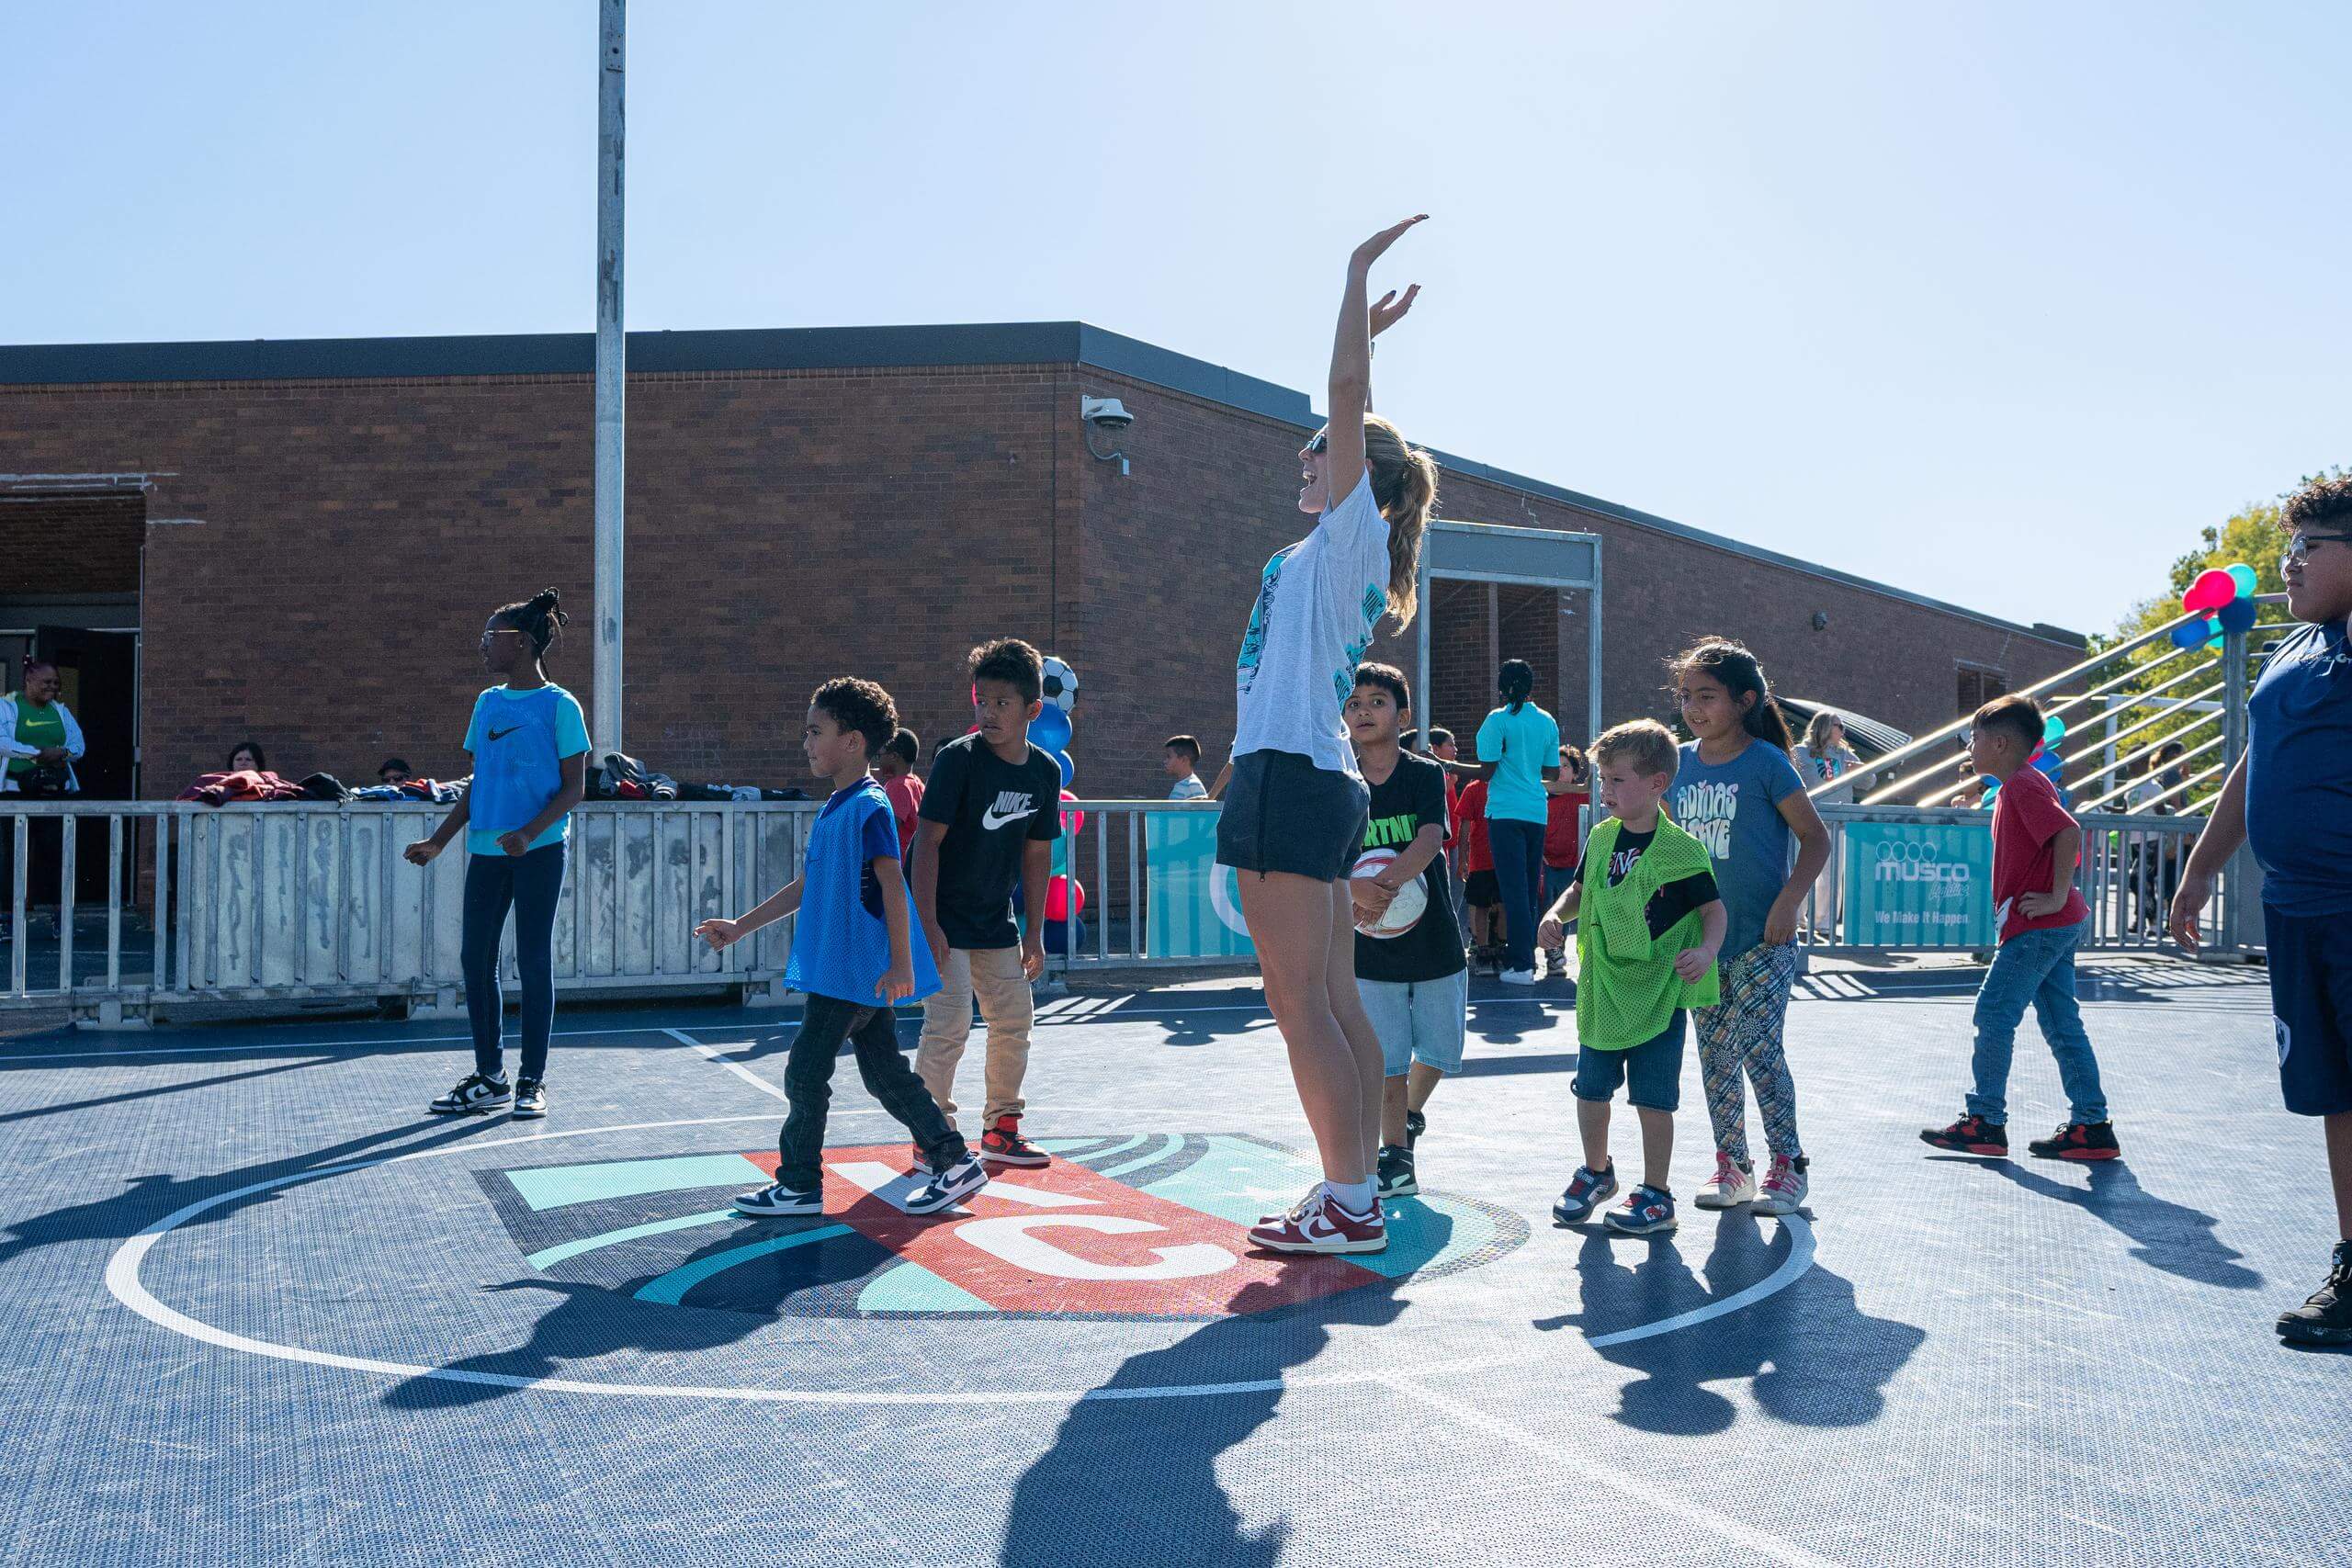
(1744, 1033)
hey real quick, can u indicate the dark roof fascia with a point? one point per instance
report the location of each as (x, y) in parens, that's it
(822, 348)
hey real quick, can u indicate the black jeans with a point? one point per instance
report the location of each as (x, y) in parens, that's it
(872, 1031)
(530, 884)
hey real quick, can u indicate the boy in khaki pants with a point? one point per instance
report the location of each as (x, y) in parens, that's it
(989, 815)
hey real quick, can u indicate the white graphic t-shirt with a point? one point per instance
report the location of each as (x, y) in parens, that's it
(1318, 603)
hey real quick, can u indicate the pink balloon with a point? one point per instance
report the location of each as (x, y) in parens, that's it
(1058, 897)
(2211, 590)
(1073, 822)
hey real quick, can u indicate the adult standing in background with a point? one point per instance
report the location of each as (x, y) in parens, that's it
(41, 742)
(1519, 748)
(1826, 759)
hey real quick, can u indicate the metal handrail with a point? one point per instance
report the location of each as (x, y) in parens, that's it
(2130, 784)
(2127, 760)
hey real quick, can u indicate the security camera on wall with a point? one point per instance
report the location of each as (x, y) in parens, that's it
(1106, 413)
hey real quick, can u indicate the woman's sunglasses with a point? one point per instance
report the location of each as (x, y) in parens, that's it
(1320, 444)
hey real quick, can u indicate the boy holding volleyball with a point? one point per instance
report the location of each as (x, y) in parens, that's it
(1409, 951)
(1650, 922)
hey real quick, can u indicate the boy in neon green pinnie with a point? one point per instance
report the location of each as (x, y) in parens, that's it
(1652, 925)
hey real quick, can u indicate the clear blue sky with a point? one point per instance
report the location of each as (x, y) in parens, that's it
(1994, 301)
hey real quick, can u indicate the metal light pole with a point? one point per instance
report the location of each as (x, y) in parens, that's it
(611, 368)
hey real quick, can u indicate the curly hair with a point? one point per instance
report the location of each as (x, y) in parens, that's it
(2325, 502)
(860, 707)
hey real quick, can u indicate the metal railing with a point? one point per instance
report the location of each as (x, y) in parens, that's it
(300, 902)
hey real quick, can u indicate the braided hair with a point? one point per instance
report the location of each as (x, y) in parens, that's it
(540, 618)
(1515, 682)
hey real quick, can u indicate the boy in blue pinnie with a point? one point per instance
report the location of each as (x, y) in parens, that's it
(854, 955)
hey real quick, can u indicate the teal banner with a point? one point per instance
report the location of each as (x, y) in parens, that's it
(1195, 905)
(1919, 884)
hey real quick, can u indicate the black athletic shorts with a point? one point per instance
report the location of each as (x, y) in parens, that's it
(1282, 813)
(2311, 1004)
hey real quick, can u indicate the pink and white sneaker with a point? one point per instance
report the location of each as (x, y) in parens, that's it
(1784, 1187)
(1730, 1187)
(1319, 1224)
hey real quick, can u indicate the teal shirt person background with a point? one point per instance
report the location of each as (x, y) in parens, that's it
(519, 740)
(1523, 744)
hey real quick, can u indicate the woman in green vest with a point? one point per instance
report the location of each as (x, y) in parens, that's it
(41, 742)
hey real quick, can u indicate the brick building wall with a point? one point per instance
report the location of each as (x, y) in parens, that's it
(334, 543)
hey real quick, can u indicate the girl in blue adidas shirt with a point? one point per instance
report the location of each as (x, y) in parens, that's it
(529, 745)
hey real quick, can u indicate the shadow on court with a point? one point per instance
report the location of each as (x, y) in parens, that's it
(147, 1199)
(2165, 1234)
(1807, 1352)
(1132, 1478)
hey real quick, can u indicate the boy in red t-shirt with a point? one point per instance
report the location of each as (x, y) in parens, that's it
(1566, 797)
(2041, 915)
(1479, 888)
(894, 770)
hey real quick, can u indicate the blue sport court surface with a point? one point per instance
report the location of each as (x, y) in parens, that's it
(255, 1306)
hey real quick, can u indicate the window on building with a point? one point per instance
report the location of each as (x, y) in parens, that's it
(1979, 686)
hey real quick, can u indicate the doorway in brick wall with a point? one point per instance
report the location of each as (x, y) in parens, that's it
(1498, 592)
(70, 597)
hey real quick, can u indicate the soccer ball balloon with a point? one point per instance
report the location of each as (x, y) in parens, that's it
(1061, 684)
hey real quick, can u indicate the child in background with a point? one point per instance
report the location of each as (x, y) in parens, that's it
(2039, 915)
(1414, 985)
(1480, 889)
(1737, 793)
(854, 955)
(1566, 798)
(1649, 924)
(895, 769)
(2290, 798)
(1179, 759)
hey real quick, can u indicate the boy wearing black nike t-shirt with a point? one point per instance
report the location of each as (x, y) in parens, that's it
(1415, 985)
(989, 815)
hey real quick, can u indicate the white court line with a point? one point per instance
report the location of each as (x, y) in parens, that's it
(1737, 1531)
(1799, 1259)
(737, 1069)
(7, 1058)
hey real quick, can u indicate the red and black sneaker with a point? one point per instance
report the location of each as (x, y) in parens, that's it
(1003, 1145)
(1319, 1224)
(2079, 1141)
(1970, 1136)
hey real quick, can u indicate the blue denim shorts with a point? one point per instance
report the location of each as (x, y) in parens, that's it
(1651, 1072)
(1418, 1021)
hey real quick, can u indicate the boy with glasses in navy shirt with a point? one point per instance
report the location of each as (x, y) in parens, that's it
(2290, 798)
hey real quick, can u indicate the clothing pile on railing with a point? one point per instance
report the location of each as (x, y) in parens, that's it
(624, 778)
(248, 786)
(439, 792)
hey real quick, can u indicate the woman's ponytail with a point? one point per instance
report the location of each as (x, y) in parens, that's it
(1403, 486)
(1516, 682)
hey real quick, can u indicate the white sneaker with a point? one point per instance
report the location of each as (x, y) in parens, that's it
(1730, 1188)
(1784, 1189)
(1517, 976)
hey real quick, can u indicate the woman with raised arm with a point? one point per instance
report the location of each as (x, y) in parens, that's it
(1296, 809)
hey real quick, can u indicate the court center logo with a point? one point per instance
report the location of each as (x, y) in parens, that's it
(1145, 1226)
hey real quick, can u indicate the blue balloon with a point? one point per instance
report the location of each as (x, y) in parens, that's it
(1068, 768)
(1050, 728)
(2050, 763)
(2239, 616)
(2192, 634)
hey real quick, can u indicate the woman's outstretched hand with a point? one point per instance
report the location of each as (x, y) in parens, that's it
(1389, 310)
(1372, 250)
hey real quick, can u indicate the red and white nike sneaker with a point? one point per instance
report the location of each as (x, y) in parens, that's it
(1319, 1224)
(1003, 1145)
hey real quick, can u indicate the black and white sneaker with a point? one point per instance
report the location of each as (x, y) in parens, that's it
(777, 1202)
(1396, 1178)
(530, 1099)
(474, 1092)
(961, 1179)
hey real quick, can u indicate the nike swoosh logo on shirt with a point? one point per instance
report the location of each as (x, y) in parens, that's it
(990, 821)
(503, 734)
